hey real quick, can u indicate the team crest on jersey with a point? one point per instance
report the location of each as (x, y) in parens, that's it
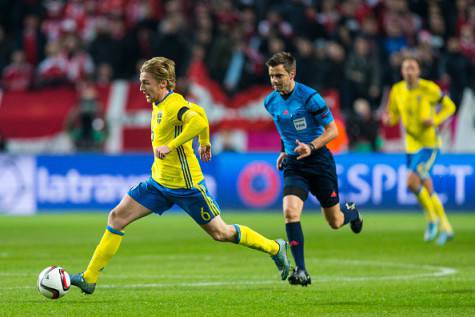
(159, 117)
(300, 124)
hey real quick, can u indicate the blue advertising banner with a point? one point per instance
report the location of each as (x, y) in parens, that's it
(371, 180)
(248, 181)
(87, 181)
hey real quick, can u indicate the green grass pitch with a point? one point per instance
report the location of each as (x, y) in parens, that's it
(167, 266)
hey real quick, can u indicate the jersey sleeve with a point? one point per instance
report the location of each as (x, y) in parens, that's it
(447, 106)
(204, 136)
(435, 93)
(427, 108)
(267, 102)
(317, 106)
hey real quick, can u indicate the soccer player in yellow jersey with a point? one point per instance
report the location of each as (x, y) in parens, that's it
(421, 107)
(176, 178)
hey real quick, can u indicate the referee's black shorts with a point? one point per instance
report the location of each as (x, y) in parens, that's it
(315, 174)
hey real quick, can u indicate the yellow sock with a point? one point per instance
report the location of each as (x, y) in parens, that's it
(444, 223)
(254, 240)
(426, 202)
(105, 250)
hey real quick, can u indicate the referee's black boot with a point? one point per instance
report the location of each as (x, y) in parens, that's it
(299, 277)
(357, 224)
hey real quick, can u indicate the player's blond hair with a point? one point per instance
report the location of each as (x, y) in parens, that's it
(161, 68)
(409, 57)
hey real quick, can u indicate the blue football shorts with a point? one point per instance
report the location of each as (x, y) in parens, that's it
(422, 162)
(316, 174)
(197, 201)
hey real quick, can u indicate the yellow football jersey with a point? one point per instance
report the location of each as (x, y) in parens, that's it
(413, 107)
(180, 167)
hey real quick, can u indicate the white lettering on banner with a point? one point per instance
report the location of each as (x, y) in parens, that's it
(460, 172)
(17, 184)
(404, 196)
(354, 178)
(78, 188)
(339, 172)
(438, 171)
(384, 179)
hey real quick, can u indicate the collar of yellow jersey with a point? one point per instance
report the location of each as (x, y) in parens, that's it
(156, 103)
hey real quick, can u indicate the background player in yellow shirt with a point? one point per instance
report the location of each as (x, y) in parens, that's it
(421, 107)
(176, 178)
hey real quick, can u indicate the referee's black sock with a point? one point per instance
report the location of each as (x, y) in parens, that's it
(295, 236)
(349, 211)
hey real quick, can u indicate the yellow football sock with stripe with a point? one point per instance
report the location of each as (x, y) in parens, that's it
(444, 223)
(105, 250)
(251, 239)
(426, 202)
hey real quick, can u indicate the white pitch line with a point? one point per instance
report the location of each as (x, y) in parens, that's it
(437, 271)
(14, 274)
(192, 284)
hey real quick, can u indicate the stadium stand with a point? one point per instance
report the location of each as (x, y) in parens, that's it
(347, 49)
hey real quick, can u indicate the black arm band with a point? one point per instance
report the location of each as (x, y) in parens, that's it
(312, 147)
(282, 147)
(181, 112)
(441, 98)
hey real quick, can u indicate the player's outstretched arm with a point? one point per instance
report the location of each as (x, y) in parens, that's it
(193, 125)
(447, 109)
(204, 138)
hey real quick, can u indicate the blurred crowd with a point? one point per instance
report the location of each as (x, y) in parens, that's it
(352, 46)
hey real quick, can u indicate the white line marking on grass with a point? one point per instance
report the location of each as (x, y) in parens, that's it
(434, 271)
(440, 271)
(192, 284)
(14, 274)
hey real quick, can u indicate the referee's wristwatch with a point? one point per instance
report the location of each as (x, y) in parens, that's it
(312, 147)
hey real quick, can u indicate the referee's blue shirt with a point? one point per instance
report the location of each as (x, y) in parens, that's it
(300, 115)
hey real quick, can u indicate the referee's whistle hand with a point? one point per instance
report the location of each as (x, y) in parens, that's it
(302, 149)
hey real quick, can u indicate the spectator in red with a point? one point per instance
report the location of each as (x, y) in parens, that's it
(17, 76)
(52, 24)
(32, 40)
(79, 63)
(53, 69)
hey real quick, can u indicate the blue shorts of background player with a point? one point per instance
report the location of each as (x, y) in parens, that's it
(197, 202)
(422, 162)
